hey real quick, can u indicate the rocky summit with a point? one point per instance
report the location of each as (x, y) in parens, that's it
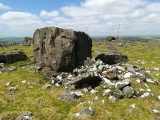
(61, 49)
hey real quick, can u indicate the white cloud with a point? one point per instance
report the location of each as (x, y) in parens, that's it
(46, 14)
(19, 23)
(99, 17)
(153, 7)
(95, 17)
(4, 7)
(113, 6)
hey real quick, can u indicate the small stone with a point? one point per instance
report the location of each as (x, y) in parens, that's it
(107, 81)
(24, 82)
(68, 96)
(25, 116)
(96, 98)
(89, 102)
(71, 96)
(117, 93)
(10, 95)
(13, 88)
(12, 68)
(112, 98)
(57, 85)
(85, 90)
(46, 86)
(150, 80)
(149, 90)
(141, 90)
(138, 81)
(85, 112)
(111, 73)
(102, 101)
(156, 119)
(79, 94)
(127, 75)
(156, 69)
(158, 97)
(107, 92)
(129, 92)
(156, 111)
(132, 107)
(145, 95)
(1, 65)
(121, 85)
(8, 84)
(93, 91)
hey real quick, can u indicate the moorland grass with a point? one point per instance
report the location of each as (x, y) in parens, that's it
(45, 104)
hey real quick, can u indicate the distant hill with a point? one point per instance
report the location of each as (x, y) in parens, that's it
(130, 38)
(10, 40)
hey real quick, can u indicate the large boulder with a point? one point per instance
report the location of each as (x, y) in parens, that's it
(111, 58)
(11, 57)
(61, 49)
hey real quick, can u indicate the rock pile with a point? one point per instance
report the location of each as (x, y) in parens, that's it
(61, 49)
(117, 78)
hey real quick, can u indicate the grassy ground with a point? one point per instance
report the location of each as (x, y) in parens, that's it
(45, 104)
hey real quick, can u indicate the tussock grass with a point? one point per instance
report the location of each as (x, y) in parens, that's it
(45, 104)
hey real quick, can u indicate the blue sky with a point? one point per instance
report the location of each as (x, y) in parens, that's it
(19, 18)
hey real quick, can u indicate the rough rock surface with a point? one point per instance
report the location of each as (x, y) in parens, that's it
(11, 57)
(61, 49)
